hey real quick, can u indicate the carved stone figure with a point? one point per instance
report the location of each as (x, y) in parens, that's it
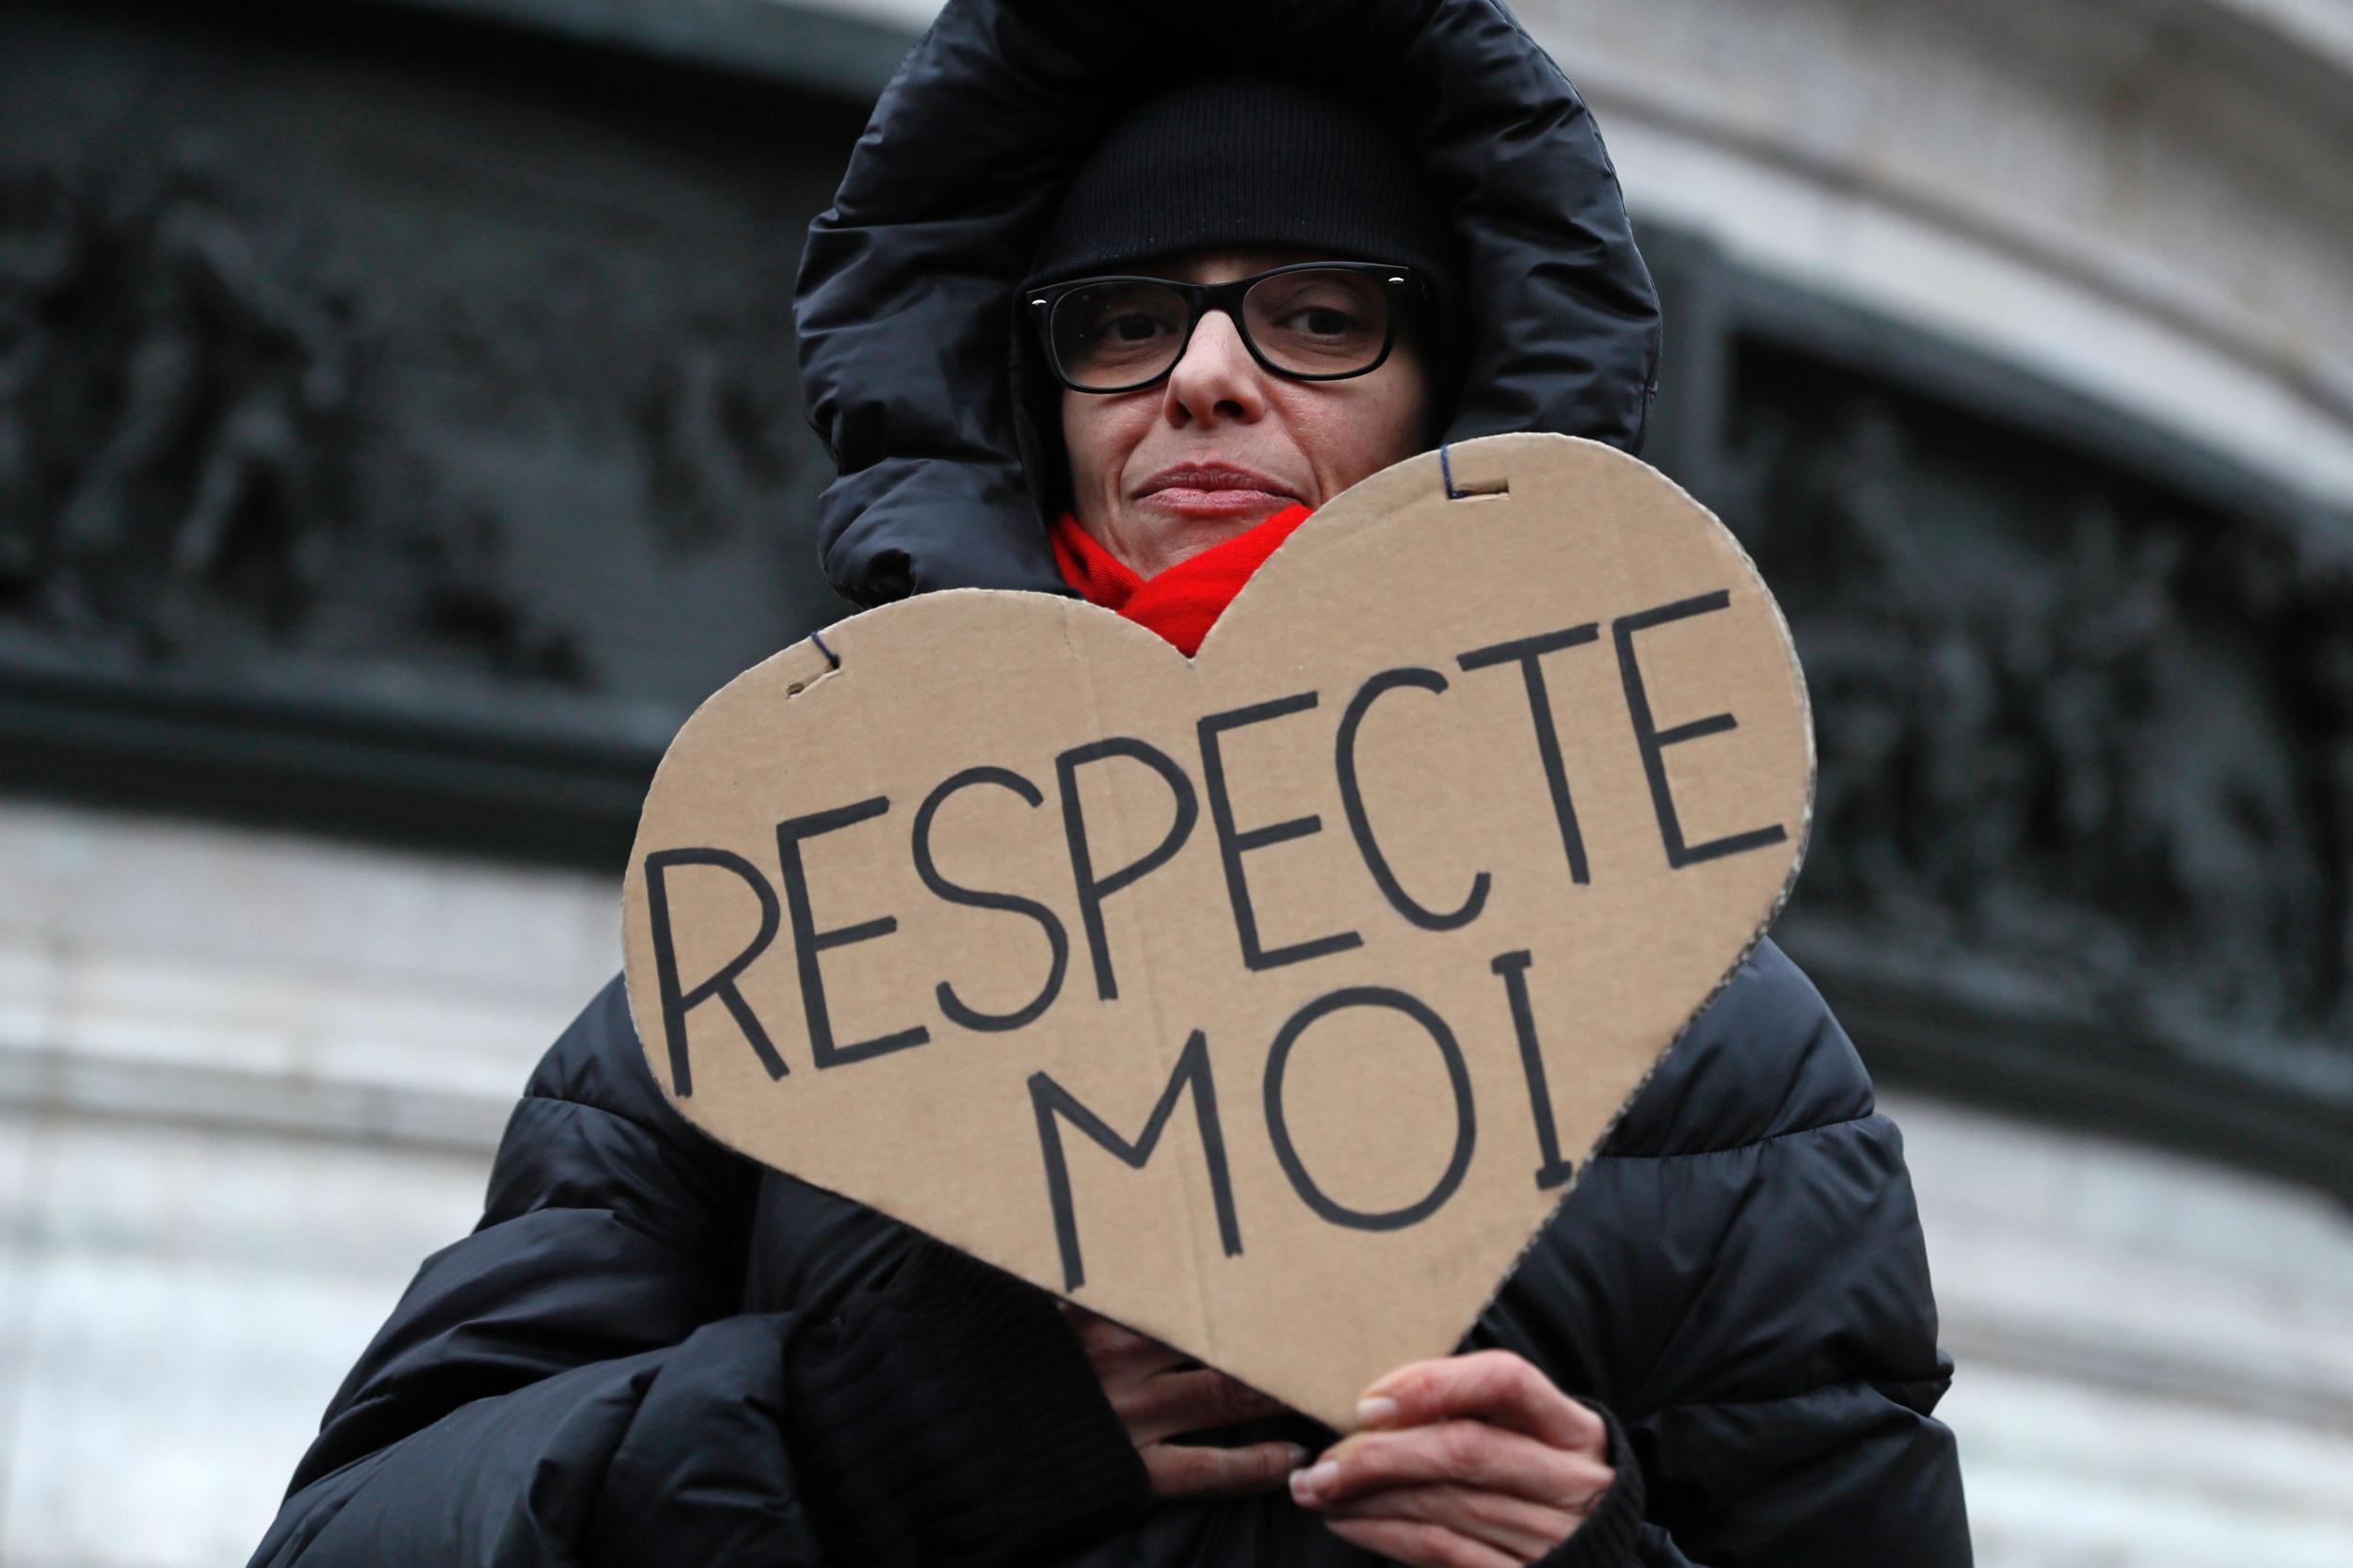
(2095, 741)
(209, 388)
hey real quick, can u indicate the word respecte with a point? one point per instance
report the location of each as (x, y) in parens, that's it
(1092, 885)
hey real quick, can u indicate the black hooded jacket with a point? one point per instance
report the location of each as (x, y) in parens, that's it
(652, 1351)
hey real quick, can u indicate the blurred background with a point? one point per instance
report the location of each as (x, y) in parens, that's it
(399, 433)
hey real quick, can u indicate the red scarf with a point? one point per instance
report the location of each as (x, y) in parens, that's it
(1182, 603)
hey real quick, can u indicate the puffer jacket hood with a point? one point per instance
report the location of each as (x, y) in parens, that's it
(909, 351)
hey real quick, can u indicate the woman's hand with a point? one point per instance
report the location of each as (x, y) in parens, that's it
(1158, 1394)
(1469, 1462)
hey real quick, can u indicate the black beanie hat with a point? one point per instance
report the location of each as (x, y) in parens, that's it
(1230, 161)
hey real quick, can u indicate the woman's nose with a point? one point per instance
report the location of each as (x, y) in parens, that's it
(1216, 378)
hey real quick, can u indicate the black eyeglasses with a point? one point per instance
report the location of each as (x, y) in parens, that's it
(1312, 320)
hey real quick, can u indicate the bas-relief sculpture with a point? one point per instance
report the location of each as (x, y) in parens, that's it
(464, 390)
(202, 440)
(2083, 742)
(175, 418)
(2079, 739)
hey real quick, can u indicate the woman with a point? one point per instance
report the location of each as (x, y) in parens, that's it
(653, 1350)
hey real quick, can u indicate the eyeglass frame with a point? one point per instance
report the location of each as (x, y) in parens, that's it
(1402, 285)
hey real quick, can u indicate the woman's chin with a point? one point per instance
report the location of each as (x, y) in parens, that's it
(1200, 535)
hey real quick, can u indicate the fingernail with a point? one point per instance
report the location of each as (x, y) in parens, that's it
(1306, 1483)
(1378, 1411)
(1298, 1457)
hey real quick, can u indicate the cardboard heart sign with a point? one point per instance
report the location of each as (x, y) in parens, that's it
(1267, 1001)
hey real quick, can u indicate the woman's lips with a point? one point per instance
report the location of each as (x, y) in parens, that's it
(1214, 490)
(1223, 503)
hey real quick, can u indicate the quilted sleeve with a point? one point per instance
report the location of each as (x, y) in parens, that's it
(1740, 1275)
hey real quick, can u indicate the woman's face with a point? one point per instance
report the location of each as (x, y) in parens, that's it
(1159, 474)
